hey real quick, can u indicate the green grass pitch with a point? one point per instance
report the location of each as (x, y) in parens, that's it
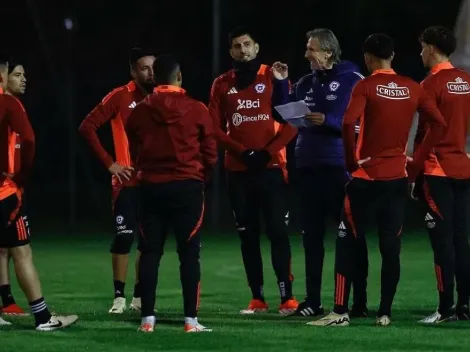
(76, 278)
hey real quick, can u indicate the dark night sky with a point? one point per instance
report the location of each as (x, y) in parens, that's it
(92, 60)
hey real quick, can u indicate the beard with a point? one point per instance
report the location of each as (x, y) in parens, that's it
(148, 86)
(245, 73)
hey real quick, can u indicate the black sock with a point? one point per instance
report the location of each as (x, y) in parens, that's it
(285, 289)
(40, 311)
(119, 289)
(137, 290)
(257, 292)
(6, 296)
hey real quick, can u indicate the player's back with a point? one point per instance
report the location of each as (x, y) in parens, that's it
(170, 132)
(450, 88)
(391, 101)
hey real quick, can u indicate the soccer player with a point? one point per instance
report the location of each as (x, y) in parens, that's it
(16, 86)
(445, 186)
(15, 232)
(171, 137)
(320, 162)
(242, 100)
(115, 108)
(385, 102)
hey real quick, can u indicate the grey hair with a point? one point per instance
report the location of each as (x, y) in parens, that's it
(328, 42)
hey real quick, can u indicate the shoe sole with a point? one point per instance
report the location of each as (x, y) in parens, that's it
(64, 325)
(331, 325)
(16, 314)
(446, 320)
(286, 312)
(251, 312)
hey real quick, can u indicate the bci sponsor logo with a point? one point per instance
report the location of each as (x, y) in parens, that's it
(248, 104)
(458, 87)
(238, 119)
(393, 91)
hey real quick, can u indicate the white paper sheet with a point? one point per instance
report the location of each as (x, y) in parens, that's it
(294, 113)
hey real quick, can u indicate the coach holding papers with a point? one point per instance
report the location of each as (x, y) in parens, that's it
(320, 159)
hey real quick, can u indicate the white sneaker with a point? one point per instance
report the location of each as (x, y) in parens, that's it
(384, 320)
(136, 304)
(147, 324)
(119, 306)
(196, 328)
(438, 318)
(57, 322)
(333, 319)
(4, 322)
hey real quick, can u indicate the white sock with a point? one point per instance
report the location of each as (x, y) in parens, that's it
(148, 320)
(190, 321)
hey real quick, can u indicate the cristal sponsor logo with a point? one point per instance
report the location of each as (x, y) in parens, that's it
(458, 87)
(393, 91)
(238, 119)
(248, 104)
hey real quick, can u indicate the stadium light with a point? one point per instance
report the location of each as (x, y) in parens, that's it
(68, 23)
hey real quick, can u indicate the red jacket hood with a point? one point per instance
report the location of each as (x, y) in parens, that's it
(168, 104)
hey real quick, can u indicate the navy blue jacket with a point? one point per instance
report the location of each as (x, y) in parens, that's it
(327, 92)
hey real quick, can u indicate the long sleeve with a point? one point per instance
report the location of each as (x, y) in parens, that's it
(334, 117)
(353, 113)
(431, 117)
(208, 142)
(19, 122)
(218, 117)
(101, 114)
(282, 138)
(282, 92)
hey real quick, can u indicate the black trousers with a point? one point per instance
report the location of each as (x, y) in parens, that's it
(447, 204)
(385, 200)
(178, 206)
(322, 193)
(253, 194)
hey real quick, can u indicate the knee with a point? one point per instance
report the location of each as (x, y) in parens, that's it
(22, 253)
(279, 236)
(122, 243)
(390, 246)
(248, 235)
(189, 250)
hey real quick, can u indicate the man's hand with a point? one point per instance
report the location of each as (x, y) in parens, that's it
(412, 169)
(280, 71)
(411, 191)
(121, 172)
(317, 118)
(256, 160)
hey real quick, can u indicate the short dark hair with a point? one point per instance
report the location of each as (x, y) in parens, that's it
(138, 53)
(380, 45)
(328, 42)
(441, 37)
(12, 64)
(165, 69)
(240, 31)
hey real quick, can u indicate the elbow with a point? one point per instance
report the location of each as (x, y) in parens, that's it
(83, 128)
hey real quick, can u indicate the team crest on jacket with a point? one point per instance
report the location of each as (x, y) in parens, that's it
(458, 87)
(393, 91)
(334, 86)
(260, 87)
